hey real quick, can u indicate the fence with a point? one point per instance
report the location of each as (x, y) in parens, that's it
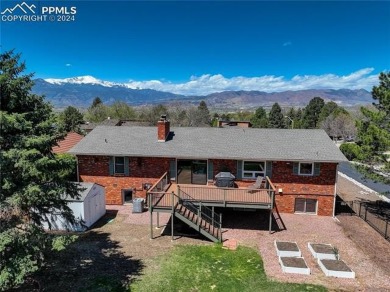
(377, 214)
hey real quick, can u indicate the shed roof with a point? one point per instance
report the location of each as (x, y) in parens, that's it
(212, 143)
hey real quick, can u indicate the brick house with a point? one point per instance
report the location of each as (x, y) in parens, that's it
(301, 165)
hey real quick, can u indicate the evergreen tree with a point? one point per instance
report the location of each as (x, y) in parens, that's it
(312, 112)
(374, 128)
(259, 119)
(71, 118)
(32, 179)
(203, 114)
(276, 118)
(97, 101)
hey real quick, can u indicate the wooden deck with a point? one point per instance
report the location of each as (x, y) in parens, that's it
(214, 197)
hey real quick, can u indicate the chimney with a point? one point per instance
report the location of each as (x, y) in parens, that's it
(163, 129)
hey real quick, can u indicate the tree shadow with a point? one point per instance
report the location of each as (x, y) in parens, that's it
(93, 263)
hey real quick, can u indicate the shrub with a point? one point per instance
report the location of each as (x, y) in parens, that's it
(351, 151)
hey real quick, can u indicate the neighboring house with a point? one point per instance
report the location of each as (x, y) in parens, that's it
(241, 124)
(70, 140)
(88, 127)
(301, 165)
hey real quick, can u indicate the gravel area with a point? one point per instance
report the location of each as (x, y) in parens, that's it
(367, 258)
(119, 247)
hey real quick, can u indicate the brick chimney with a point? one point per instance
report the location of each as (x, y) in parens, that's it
(163, 129)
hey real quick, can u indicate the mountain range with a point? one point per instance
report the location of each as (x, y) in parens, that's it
(80, 92)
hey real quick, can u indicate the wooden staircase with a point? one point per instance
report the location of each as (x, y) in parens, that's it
(193, 216)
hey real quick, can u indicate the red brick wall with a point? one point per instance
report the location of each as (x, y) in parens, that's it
(321, 187)
(163, 128)
(224, 165)
(141, 170)
(148, 170)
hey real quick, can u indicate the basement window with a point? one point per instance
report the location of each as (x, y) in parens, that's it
(305, 206)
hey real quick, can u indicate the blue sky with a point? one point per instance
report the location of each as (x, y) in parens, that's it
(178, 45)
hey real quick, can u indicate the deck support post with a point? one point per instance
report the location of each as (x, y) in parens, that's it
(270, 220)
(151, 223)
(173, 215)
(158, 219)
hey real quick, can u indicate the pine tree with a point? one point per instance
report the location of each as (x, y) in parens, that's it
(32, 179)
(312, 112)
(374, 128)
(97, 101)
(276, 118)
(71, 118)
(259, 119)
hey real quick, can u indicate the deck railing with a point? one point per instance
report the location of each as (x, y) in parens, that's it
(204, 213)
(230, 195)
(156, 195)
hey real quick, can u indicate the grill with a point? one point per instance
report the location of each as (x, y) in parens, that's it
(224, 179)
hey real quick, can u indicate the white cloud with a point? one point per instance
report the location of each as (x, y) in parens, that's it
(287, 44)
(68, 65)
(207, 83)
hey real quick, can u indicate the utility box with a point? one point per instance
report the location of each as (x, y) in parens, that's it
(138, 205)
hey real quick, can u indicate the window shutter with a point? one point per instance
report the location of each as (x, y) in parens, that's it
(295, 167)
(111, 167)
(239, 169)
(210, 169)
(317, 168)
(268, 169)
(126, 165)
(172, 169)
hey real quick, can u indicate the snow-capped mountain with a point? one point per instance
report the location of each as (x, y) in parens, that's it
(80, 92)
(82, 80)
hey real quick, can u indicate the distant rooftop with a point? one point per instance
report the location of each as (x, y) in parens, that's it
(216, 143)
(67, 143)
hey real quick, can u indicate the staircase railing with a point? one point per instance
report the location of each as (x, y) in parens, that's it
(204, 213)
(156, 195)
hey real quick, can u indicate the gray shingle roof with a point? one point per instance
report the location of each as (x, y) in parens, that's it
(203, 143)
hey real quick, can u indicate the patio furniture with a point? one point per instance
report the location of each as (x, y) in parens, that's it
(260, 182)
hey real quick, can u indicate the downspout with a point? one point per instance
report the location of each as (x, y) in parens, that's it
(77, 169)
(335, 191)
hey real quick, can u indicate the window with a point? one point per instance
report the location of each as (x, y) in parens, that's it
(306, 168)
(306, 206)
(119, 165)
(253, 169)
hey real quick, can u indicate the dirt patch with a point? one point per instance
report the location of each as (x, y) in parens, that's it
(322, 248)
(294, 262)
(110, 255)
(336, 265)
(348, 191)
(287, 246)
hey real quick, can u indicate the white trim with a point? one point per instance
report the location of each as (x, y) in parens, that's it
(306, 174)
(253, 172)
(305, 212)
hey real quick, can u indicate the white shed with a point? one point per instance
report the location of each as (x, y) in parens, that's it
(88, 208)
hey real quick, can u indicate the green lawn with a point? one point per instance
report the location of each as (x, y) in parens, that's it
(211, 268)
